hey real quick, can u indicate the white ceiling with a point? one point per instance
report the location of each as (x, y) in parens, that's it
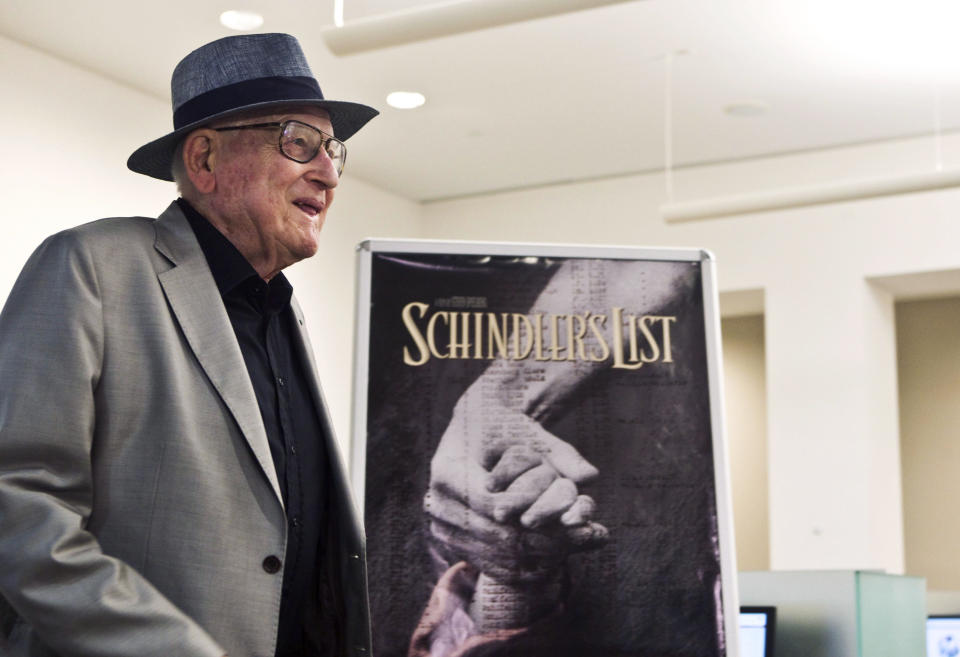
(569, 97)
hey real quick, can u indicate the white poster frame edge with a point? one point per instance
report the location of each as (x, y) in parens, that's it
(721, 455)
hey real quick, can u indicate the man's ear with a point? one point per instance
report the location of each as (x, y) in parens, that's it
(200, 151)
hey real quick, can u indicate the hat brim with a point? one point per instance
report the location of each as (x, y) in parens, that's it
(154, 159)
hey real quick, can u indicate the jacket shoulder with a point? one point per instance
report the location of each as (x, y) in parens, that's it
(90, 251)
(102, 243)
(109, 232)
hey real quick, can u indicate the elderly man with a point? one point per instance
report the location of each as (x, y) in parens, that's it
(169, 485)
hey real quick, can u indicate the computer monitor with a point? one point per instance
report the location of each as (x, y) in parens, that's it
(943, 636)
(757, 629)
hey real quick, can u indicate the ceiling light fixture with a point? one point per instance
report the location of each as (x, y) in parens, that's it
(746, 108)
(240, 20)
(405, 99)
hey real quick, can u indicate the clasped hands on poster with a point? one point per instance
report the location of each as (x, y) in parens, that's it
(504, 492)
(505, 512)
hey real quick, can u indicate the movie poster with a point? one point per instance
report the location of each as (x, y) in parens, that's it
(537, 456)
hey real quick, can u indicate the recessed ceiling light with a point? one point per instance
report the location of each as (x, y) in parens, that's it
(746, 108)
(240, 20)
(405, 99)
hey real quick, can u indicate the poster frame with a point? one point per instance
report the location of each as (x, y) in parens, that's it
(711, 314)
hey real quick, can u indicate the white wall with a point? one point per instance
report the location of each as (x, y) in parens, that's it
(834, 473)
(66, 136)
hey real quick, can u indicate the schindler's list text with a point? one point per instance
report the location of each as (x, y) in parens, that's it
(630, 340)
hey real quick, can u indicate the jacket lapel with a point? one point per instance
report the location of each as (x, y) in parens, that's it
(346, 540)
(337, 469)
(195, 301)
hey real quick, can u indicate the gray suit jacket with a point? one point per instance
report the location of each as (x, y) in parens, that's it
(138, 497)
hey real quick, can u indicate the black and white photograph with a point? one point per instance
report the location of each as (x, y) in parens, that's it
(539, 463)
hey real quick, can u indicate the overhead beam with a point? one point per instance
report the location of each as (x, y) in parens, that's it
(443, 19)
(797, 197)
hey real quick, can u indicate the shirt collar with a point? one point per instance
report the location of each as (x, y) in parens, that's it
(227, 264)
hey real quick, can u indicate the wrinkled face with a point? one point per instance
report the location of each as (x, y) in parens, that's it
(272, 205)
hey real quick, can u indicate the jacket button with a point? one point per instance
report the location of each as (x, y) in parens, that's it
(272, 564)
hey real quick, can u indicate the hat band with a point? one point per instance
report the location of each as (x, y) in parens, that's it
(244, 94)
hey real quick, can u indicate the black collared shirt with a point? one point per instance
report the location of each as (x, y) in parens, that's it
(264, 325)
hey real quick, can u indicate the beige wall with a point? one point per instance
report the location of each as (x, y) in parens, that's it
(928, 361)
(744, 381)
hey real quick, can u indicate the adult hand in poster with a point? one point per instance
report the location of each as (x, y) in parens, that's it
(499, 461)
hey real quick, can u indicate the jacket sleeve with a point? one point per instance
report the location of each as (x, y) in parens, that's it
(53, 573)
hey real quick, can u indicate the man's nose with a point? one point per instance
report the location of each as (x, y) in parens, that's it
(323, 170)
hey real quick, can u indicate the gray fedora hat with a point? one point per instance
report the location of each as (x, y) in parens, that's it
(235, 74)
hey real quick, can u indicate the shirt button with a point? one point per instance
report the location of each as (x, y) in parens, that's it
(272, 565)
(295, 521)
(293, 449)
(280, 381)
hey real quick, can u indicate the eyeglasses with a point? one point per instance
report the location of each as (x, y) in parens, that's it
(301, 142)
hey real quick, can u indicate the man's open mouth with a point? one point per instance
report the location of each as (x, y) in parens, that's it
(309, 207)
